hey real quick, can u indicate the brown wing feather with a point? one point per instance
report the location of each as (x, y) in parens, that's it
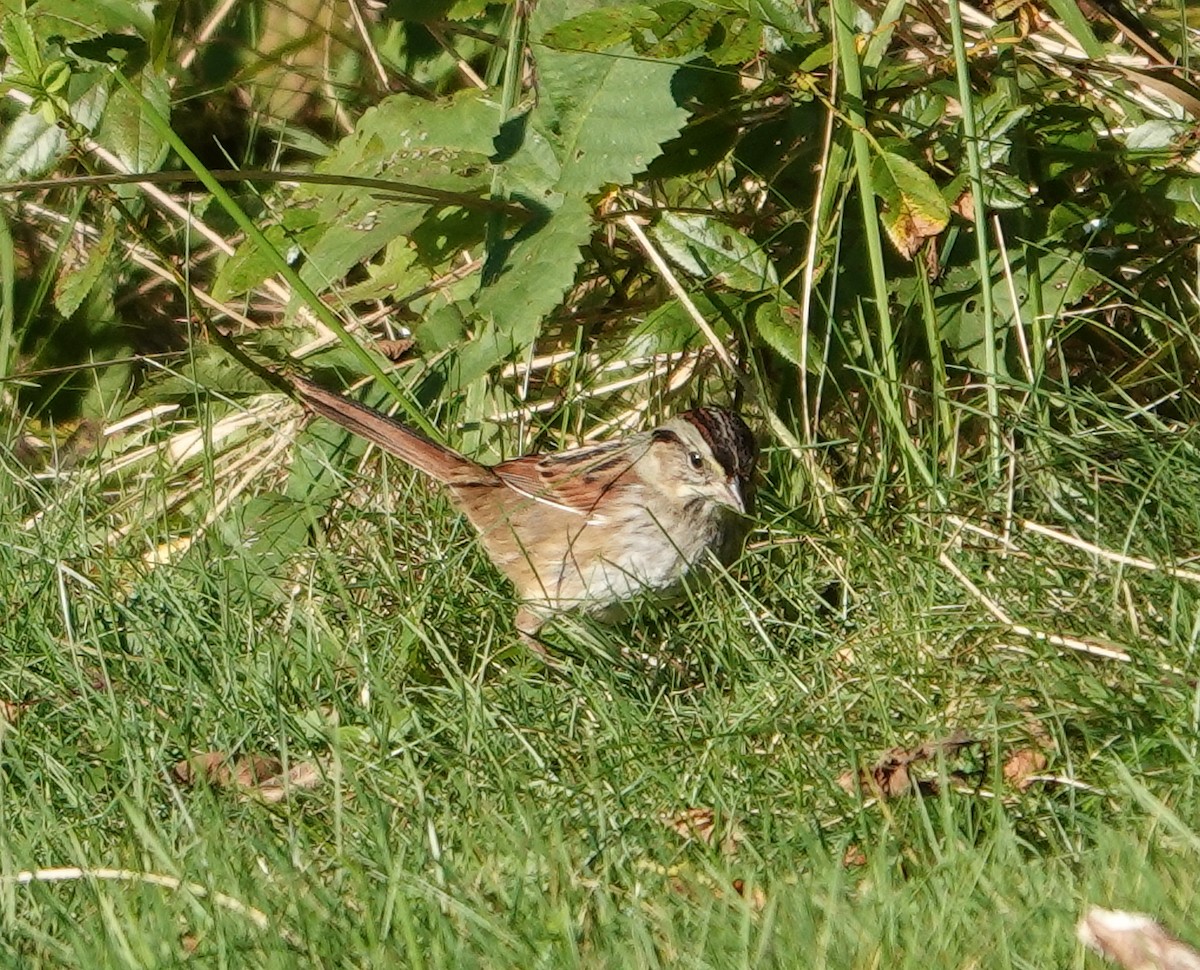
(575, 481)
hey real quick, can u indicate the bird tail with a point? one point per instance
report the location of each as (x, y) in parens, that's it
(435, 460)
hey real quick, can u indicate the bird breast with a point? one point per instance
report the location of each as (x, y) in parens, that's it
(634, 544)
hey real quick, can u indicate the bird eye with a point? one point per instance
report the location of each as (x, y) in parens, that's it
(696, 460)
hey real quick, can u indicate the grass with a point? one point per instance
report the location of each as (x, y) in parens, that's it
(475, 809)
(693, 788)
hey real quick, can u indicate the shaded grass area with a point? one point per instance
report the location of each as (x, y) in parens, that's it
(681, 794)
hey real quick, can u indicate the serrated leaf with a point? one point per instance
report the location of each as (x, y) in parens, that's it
(1064, 280)
(577, 140)
(442, 329)
(536, 274)
(397, 273)
(585, 112)
(425, 11)
(17, 37)
(31, 145)
(250, 265)
(913, 208)
(1183, 195)
(1156, 135)
(737, 40)
(1005, 191)
(125, 129)
(72, 288)
(670, 329)
(679, 29)
(403, 135)
(353, 237)
(710, 249)
(598, 30)
(995, 143)
(445, 145)
(786, 16)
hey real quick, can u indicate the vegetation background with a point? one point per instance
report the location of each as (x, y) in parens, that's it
(260, 700)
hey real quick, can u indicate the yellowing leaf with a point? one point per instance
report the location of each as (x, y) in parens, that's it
(913, 208)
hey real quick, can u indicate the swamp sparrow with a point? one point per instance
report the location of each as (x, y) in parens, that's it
(590, 527)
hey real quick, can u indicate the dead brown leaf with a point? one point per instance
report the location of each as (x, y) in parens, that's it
(1022, 765)
(700, 824)
(395, 350)
(255, 775)
(302, 776)
(756, 896)
(964, 205)
(891, 776)
(1134, 941)
(12, 711)
(853, 857)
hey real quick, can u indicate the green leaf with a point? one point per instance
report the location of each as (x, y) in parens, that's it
(56, 76)
(786, 16)
(395, 275)
(777, 323)
(586, 109)
(1005, 191)
(1156, 135)
(265, 533)
(680, 29)
(598, 30)
(670, 329)
(424, 11)
(31, 143)
(250, 265)
(443, 144)
(913, 208)
(1064, 279)
(710, 249)
(355, 236)
(72, 20)
(1182, 195)
(539, 269)
(17, 37)
(575, 142)
(72, 288)
(995, 143)
(413, 139)
(125, 130)
(442, 329)
(737, 40)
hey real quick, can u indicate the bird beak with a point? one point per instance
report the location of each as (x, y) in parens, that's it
(735, 499)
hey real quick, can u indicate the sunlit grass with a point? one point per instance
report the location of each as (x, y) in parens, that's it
(678, 794)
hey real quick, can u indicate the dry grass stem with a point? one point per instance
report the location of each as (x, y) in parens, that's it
(223, 900)
(1120, 558)
(1019, 629)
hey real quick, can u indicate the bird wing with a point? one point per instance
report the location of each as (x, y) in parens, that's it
(573, 481)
